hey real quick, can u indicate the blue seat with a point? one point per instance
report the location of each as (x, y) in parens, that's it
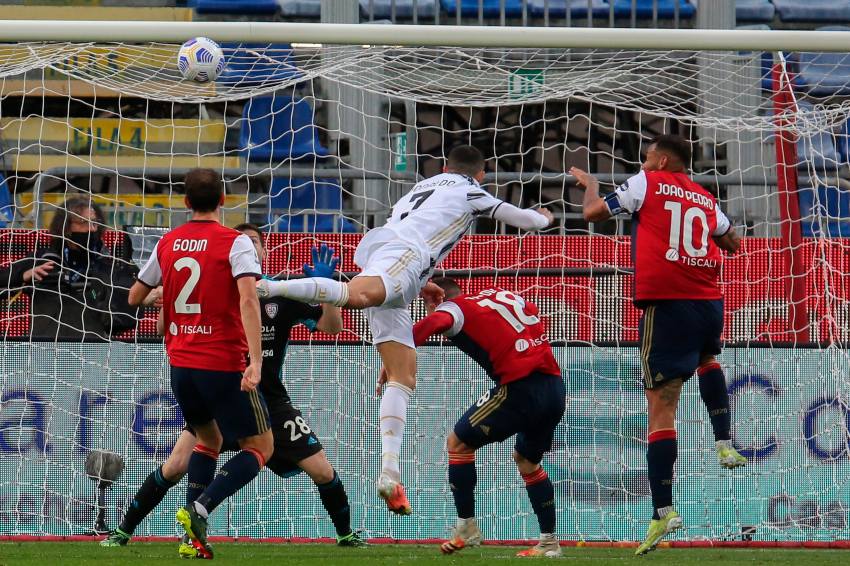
(828, 216)
(643, 9)
(383, 9)
(275, 128)
(236, 6)
(490, 8)
(825, 74)
(819, 150)
(297, 193)
(754, 10)
(578, 8)
(300, 8)
(813, 10)
(257, 64)
(314, 223)
(7, 203)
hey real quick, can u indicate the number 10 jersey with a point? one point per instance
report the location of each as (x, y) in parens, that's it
(674, 223)
(502, 332)
(198, 265)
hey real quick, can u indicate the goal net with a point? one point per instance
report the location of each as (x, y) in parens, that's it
(315, 143)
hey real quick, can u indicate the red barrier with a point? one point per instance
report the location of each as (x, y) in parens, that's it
(583, 308)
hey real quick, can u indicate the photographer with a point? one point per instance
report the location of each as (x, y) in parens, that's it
(84, 296)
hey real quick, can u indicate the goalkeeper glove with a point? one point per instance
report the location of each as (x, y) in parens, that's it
(324, 262)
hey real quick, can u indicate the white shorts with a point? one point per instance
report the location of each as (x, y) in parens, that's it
(404, 269)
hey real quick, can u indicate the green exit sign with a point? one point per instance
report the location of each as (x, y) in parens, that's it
(525, 82)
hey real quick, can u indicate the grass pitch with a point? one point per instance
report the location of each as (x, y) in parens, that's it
(254, 554)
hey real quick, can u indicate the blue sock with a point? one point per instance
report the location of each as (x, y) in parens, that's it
(335, 501)
(715, 395)
(234, 475)
(202, 465)
(462, 480)
(151, 492)
(660, 459)
(541, 492)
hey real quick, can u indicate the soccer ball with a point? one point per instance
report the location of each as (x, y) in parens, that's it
(200, 59)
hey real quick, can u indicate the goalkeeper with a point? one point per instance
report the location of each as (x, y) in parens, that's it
(296, 445)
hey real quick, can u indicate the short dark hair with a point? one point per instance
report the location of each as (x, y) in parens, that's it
(204, 189)
(448, 285)
(466, 160)
(254, 228)
(675, 145)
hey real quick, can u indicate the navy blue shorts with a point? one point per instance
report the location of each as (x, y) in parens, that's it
(205, 395)
(676, 335)
(530, 408)
(294, 440)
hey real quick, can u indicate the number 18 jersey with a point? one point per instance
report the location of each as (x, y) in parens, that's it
(673, 250)
(198, 265)
(502, 332)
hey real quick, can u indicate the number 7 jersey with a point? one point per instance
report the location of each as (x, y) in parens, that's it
(674, 225)
(502, 332)
(198, 265)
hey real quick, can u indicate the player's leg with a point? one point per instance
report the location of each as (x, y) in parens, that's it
(671, 341)
(153, 490)
(546, 405)
(462, 480)
(712, 385)
(297, 448)
(241, 415)
(360, 293)
(494, 417)
(662, 401)
(399, 360)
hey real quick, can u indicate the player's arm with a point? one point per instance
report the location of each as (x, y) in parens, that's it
(627, 198)
(245, 268)
(435, 323)
(483, 203)
(725, 236)
(331, 320)
(249, 307)
(593, 206)
(146, 281)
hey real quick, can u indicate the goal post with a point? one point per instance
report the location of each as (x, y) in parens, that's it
(316, 129)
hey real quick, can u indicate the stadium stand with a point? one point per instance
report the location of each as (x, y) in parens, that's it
(276, 127)
(300, 8)
(821, 147)
(644, 9)
(7, 203)
(245, 68)
(306, 194)
(402, 9)
(489, 8)
(754, 10)
(813, 10)
(832, 203)
(825, 74)
(577, 8)
(236, 7)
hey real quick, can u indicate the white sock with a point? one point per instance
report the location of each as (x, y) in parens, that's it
(393, 416)
(201, 510)
(311, 290)
(723, 444)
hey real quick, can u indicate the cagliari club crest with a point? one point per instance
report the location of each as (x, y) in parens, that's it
(271, 309)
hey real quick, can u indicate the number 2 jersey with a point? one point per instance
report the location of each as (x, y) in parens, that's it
(198, 265)
(501, 332)
(674, 223)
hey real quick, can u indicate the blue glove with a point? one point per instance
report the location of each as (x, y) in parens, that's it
(324, 262)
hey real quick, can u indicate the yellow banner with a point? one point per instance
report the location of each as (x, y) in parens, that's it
(127, 209)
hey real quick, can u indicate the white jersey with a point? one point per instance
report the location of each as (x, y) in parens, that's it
(438, 211)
